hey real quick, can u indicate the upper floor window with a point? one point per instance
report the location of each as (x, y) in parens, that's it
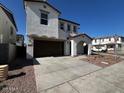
(62, 26)
(95, 41)
(69, 27)
(44, 6)
(75, 29)
(44, 18)
(117, 39)
(102, 40)
(109, 39)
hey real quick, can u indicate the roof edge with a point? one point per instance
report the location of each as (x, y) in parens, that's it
(102, 37)
(46, 3)
(69, 21)
(10, 12)
(81, 35)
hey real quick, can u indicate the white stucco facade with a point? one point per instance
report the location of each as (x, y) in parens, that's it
(106, 40)
(33, 12)
(53, 31)
(6, 35)
(79, 49)
(63, 34)
(107, 43)
(8, 31)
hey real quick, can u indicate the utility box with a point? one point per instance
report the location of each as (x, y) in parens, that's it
(3, 72)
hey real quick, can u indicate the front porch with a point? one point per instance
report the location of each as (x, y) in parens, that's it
(80, 44)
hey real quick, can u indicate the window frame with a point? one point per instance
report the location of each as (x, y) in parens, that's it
(62, 26)
(109, 39)
(11, 31)
(95, 40)
(42, 17)
(68, 27)
(75, 29)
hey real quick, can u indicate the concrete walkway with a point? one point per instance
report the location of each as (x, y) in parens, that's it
(72, 75)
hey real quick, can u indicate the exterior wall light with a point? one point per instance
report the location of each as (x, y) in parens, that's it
(84, 44)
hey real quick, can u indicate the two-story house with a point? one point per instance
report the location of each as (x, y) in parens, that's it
(108, 44)
(49, 35)
(8, 31)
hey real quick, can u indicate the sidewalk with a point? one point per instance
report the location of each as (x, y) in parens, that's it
(108, 80)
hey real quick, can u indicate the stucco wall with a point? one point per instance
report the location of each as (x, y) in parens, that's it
(33, 20)
(3, 53)
(63, 34)
(75, 41)
(7, 53)
(0, 26)
(67, 47)
(106, 41)
(84, 39)
(30, 48)
(12, 52)
(5, 29)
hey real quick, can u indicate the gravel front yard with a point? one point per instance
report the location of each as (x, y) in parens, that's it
(103, 60)
(21, 78)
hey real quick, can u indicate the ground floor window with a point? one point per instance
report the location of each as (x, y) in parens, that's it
(111, 46)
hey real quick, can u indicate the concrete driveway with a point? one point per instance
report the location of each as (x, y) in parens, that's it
(72, 75)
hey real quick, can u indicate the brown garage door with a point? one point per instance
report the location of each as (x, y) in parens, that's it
(48, 48)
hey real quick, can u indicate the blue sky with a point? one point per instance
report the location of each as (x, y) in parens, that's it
(97, 17)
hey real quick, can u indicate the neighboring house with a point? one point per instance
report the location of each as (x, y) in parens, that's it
(7, 35)
(49, 35)
(7, 26)
(108, 44)
(20, 46)
(19, 40)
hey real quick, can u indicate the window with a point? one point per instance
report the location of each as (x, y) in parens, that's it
(62, 26)
(75, 29)
(11, 31)
(102, 40)
(95, 40)
(117, 39)
(44, 18)
(44, 6)
(69, 27)
(111, 46)
(109, 39)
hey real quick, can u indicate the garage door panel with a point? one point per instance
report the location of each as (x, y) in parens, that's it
(48, 48)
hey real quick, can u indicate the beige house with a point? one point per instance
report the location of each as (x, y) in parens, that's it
(49, 35)
(108, 44)
(7, 35)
